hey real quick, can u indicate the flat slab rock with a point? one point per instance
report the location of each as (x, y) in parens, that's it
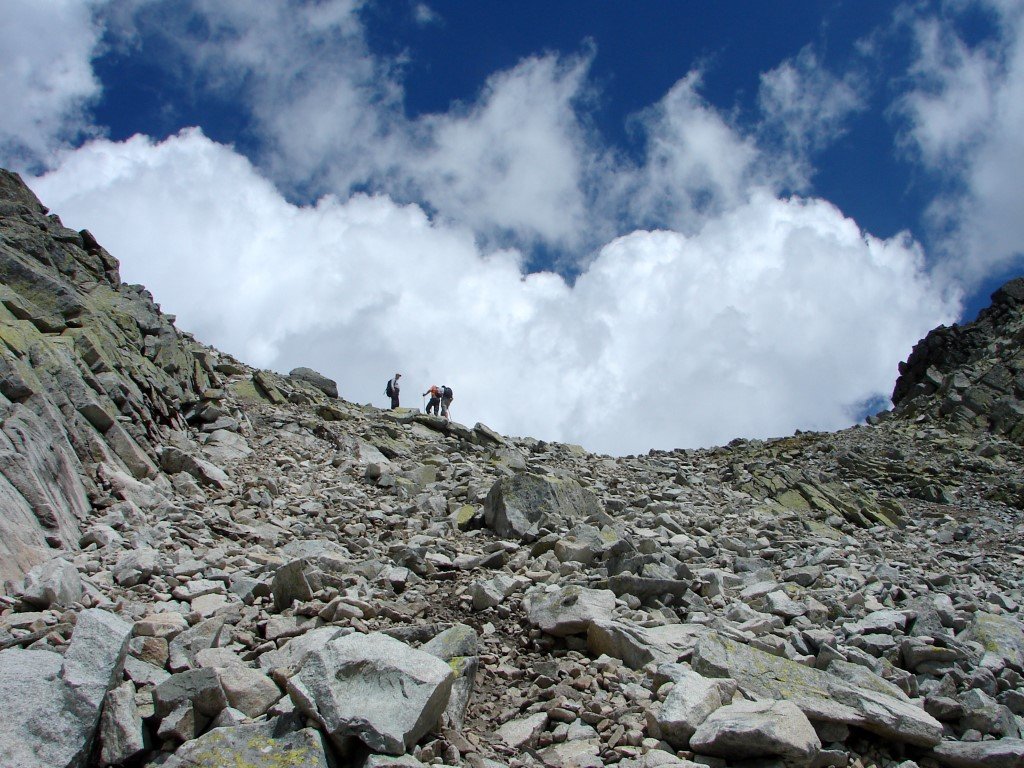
(998, 753)
(819, 695)
(753, 729)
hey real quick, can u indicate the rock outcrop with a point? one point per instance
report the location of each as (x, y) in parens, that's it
(208, 564)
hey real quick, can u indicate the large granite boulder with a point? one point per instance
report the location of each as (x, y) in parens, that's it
(758, 729)
(256, 745)
(570, 610)
(373, 688)
(518, 506)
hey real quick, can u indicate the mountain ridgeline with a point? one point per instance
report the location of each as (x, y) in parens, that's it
(205, 564)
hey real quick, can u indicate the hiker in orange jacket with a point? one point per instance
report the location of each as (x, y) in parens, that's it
(435, 398)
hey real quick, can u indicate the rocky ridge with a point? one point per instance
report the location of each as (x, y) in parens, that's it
(213, 565)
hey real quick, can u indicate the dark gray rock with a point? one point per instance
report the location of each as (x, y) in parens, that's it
(328, 386)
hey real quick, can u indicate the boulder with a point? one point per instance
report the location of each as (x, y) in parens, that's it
(570, 610)
(257, 745)
(122, 736)
(518, 506)
(689, 703)
(522, 732)
(1002, 638)
(758, 729)
(248, 690)
(174, 460)
(55, 582)
(328, 386)
(457, 646)
(52, 704)
(998, 753)
(638, 646)
(373, 688)
(200, 687)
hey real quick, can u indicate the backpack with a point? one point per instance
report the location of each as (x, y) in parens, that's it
(447, 393)
(388, 390)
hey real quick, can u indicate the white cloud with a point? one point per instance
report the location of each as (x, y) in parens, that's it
(966, 117)
(746, 315)
(805, 108)
(46, 77)
(772, 314)
(696, 164)
(329, 115)
(512, 159)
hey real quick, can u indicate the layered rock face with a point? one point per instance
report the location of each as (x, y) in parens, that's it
(91, 373)
(971, 376)
(210, 565)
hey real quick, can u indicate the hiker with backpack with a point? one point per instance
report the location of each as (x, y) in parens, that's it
(391, 390)
(446, 400)
(435, 398)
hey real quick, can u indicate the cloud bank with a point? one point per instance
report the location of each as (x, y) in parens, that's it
(777, 313)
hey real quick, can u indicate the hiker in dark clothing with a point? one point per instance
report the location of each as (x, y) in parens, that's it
(446, 400)
(393, 390)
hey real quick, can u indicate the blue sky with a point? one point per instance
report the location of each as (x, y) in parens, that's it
(628, 225)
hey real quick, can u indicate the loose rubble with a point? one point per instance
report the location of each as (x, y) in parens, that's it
(208, 564)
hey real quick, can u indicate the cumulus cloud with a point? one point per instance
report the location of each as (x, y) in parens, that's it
(965, 114)
(773, 314)
(696, 164)
(805, 108)
(512, 159)
(329, 115)
(46, 77)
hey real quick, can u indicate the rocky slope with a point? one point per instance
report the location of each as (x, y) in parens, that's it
(210, 565)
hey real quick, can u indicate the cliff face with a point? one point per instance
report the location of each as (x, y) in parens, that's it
(90, 374)
(971, 377)
(231, 566)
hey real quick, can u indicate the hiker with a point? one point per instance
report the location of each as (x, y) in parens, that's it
(391, 390)
(435, 398)
(446, 400)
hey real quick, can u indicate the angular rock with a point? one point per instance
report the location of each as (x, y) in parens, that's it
(638, 646)
(1001, 636)
(59, 699)
(328, 386)
(122, 736)
(373, 688)
(517, 506)
(757, 729)
(998, 753)
(248, 690)
(821, 696)
(257, 745)
(570, 610)
(200, 687)
(174, 460)
(55, 582)
(687, 706)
